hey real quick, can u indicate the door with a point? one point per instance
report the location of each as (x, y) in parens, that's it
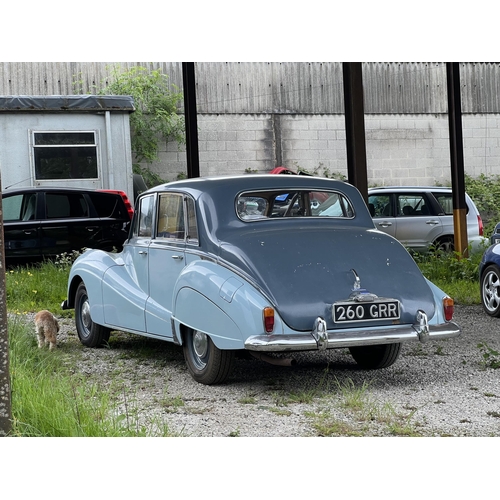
(166, 262)
(21, 225)
(416, 226)
(126, 287)
(67, 223)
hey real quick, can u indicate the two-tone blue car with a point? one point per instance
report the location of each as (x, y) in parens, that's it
(258, 263)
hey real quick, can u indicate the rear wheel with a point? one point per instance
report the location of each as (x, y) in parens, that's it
(206, 363)
(445, 244)
(375, 356)
(89, 333)
(490, 290)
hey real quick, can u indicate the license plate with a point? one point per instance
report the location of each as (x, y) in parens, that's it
(348, 312)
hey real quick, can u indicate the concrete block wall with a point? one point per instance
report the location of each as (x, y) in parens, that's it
(400, 149)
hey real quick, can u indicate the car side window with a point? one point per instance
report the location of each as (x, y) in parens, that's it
(445, 200)
(380, 205)
(410, 205)
(144, 220)
(171, 216)
(18, 207)
(192, 235)
(65, 205)
(106, 205)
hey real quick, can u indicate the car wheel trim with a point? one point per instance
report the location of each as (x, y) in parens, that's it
(85, 315)
(199, 348)
(490, 291)
(200, 344)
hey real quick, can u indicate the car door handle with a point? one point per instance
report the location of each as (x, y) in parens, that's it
(384, 224)
(432, 222)
(143, 252)
(177, 257)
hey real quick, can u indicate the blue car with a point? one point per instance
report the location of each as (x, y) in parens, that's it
(258, 263)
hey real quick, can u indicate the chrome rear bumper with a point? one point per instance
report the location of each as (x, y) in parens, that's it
(348, 338)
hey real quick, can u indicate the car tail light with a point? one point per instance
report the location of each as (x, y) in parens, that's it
(448, 307)
(128, 205)
(268, 319)
(481, 227)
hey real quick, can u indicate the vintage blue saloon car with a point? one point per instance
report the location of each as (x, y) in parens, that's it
(263, 263)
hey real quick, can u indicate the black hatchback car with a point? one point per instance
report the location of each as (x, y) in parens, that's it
(44, 222)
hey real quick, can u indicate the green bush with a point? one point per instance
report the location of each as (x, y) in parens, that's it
(485, 192)
(455, 275)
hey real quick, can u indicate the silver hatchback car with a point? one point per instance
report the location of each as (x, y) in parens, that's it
(421, 218)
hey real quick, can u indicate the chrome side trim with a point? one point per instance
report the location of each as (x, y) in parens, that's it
(349, 338)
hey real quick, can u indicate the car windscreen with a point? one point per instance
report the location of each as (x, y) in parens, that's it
(298, 203)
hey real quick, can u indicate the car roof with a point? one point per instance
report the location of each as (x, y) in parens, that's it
(239, 183)
(35, 189)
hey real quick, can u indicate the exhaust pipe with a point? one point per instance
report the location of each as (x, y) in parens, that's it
(273, 361)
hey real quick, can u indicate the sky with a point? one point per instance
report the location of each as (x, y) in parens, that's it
(258, 31)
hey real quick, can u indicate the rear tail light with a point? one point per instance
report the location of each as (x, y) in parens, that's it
(481, 227)
(268, 314)
(448, 307)
(128, 205)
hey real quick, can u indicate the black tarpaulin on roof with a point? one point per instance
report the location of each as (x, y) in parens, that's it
(67, 103)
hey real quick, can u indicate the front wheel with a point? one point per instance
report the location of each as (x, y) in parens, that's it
(89, 333)
(375, 356)
(206, 363)
(490, 290)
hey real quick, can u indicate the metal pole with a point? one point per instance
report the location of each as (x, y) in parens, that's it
(457, 159)
(193, 161)
(355, 127)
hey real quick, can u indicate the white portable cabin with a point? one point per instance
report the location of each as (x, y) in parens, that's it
(66, 141)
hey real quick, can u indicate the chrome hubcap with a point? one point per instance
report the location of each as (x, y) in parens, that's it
(490, 291)
(200, 344)
(85, 315)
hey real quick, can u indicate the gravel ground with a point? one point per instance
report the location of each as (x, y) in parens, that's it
(434, 389)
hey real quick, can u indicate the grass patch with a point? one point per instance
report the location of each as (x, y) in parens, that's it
(371, 418)
(49, 400)
(455, 275)
(37, 287)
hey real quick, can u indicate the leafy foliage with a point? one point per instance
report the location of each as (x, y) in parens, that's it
(156, 102)
(485, 191)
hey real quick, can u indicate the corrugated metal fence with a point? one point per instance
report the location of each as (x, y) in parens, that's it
(278, 87)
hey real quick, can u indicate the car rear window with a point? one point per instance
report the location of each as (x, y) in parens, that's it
(301, 203)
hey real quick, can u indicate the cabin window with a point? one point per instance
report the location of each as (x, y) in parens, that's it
(65, 155)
